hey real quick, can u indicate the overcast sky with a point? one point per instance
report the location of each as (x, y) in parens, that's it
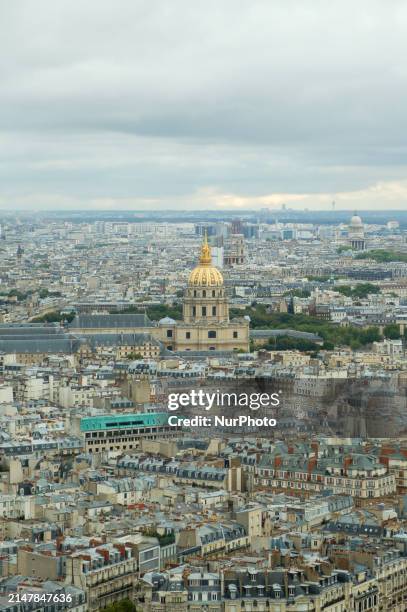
(217, 104)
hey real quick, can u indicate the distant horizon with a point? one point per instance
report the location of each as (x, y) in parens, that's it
(200, 203)
(315, 217)
(228, 211)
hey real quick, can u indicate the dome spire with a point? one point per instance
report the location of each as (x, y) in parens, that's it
(205, 258)
(205, 274)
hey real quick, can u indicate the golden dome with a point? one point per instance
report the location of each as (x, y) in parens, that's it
(205, 275)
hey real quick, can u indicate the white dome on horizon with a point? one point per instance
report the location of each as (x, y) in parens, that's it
(356, 221)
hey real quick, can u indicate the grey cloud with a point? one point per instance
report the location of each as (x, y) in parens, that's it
(140, 99)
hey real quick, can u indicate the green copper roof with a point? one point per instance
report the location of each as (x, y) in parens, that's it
(113, 421)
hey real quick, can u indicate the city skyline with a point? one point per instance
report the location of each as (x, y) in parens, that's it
(203, 306)
(203, 411)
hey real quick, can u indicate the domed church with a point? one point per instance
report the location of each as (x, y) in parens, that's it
(356, 233)
(206, 325)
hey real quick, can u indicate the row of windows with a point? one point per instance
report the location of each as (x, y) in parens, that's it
(204, 311)
(204, 293)
(124, 432)
(121, 443)
(211, 334)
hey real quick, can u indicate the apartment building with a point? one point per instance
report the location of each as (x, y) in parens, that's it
(122, 432)
(107, 573)
(358, 475)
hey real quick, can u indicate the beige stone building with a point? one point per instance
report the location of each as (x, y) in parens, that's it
(107, 574)
(206, 325)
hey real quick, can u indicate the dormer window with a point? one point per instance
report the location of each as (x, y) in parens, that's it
(232, 591)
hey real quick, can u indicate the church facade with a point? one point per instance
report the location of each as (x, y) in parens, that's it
(356, 234)
(206, 325)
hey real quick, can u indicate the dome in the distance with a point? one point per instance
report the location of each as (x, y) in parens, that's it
(356, 221)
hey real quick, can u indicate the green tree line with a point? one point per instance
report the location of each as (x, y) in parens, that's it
(333, 334)
(383, 255)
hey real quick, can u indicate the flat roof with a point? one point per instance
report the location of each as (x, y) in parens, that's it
(114, 421)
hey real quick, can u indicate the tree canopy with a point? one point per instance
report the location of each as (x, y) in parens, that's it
(383, 255)
(332, 333)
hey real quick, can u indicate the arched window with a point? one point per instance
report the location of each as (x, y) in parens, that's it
(204, 293)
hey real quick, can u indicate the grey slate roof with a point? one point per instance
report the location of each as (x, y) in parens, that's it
(43, 345)
(120, 339)
(30, 329)
(37, 338)
(50, 338)
(104, 321)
